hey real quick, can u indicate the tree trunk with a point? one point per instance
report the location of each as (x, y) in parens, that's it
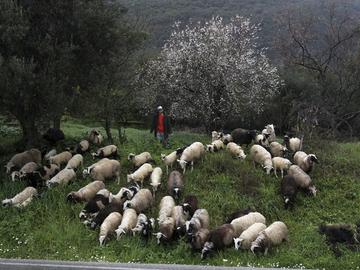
(31, 136)
(108, 129)
(56, 122)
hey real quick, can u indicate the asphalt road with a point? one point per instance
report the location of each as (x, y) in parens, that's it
(14, 264)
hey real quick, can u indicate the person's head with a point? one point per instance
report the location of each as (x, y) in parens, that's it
(160, 109)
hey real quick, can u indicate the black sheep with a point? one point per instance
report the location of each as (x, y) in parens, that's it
(103, 213)
(190, 205)
(237, 214)
(243, 136)
(53, 135)
(288, 190)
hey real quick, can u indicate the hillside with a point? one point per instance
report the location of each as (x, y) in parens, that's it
(49, 228)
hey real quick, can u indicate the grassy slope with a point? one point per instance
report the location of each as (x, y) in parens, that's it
(49, 228)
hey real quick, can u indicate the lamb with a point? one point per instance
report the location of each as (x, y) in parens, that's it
(108, 226)
(180, 219)
(273, 235)
(248, 236)
(236, 150)
(190, 205)
(243, 136)
(242, 223)
(192, 153)
(155, 179)
(281, 164)
(219, 238)
(262, 139)
(270, 130)
(75, 162)
(167, 204)
(20, 159)
(169, 160)
(128, 223)
(302, 179)
(21, 199)
(105, 170)
(288, 190)
(141, 201)
(62, 178)
(61, 159)
(277, 149)
(304, 161)
(144, 226)
(175, 184)
(49, 154)
(106, 152)
(198, 239)
(140, 174)
(293, 144)
(86, 193)
(101, 200)
(199, 220)
(95, 137)
(82, 147)
(215, 146)
(261, 156)
(166, 230)
(140, 159)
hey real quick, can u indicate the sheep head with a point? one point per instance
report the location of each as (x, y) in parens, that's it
(237, 242)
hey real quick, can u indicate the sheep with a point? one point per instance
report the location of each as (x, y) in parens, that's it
(304, 161)
(140, 174)
(199, 220)
(237, 214)
(140, 159)
(215, 146)
(198, 239)
(113, 206)
(167, 204)
(105, 170)
(169, 160)
(62, 178)
(141, 201)
(273, 235)
(262, 139)
(277, 149)
(155, 179)
(191, 153)
(87, 170)
(20, 159)
(219, 238)
(261, 156)
(302, 179)
(125, 194)
(293, 144)
(281, 164)
(166, 230)
(180, 219)
(128, 223)
(215, 136)
(95, 137)
(144, 226)
(101, 200)
(86, 193)
(108, 226)
(175, 184)
(75, 162)
(54, 135)
(236, 150)
(21, 199)
(190, 205)
(49, 154)
(82, 147)
(61, 159)
(243, 136)
(48, 171)
(226, 138)
(105, 152)
(29, 170)
(288, 190)
(248, 236)
(242, 223)
(270, 130)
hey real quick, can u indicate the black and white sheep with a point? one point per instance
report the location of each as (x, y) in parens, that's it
(270, 131)
(109, 151)
(288, 190)
(261, 156)
(142, 201)
(86, 193)
(82, 147)
(175, 184)
(144, 226)
(180, 218)
(101, 200)
(248, 236)
(302, 179)
(215, 146)
(190, 205)
(20, 159)
(21, 199)
(304, 161)
(199, 239)
(109, 226)
(262, 139)
(199, 220)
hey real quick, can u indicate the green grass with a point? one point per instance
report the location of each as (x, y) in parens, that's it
(49, 227)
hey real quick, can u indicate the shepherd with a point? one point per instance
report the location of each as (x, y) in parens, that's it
(161, 126)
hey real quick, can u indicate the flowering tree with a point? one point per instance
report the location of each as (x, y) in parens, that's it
(209, 72)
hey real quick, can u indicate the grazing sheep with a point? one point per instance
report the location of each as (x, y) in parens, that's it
(293, 144)
(242, 223)
(54, 135)
(180, 218)
(281, 164)
(82, 147)
(199, 220)
(141, 201)
(261, 156)
(155, 179)
(125, 194)
(302, 179)
(175, 184)
(109, 226)
(304, 161)
(114, 206)
(144, 226)
(48, 171)
(248, 236)
(237, 214)
(191, 153)
(277, 149)
(140, 159)
(219, 238)
(102, 198)
(236, 150)
(29, 171)
(21, 199)
(140, 174)
(20, 159)
(86, 193)
(75, 162)
(128, 223)
(95, 137)
(106, 152)
(215, 146)
(108, 169)
(61, 159)
(62, 178)
(166, 230)
(86, 171)
(167, 204)
(226, 138)
(273, 235)
(169, 160)
(288, 190)
(49, 154)
(270, 130)
(262, 139)
(243, 136)
(190, 205)
(199, 239)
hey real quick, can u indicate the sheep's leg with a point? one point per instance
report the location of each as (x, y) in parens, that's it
(275, 172)
(192, 166)
(118, 179)
(266, 251)
(167, 169)
(282, 173)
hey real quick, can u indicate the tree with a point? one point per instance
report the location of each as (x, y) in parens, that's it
(208, 72)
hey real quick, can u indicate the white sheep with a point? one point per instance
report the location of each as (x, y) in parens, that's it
(166, 230)
(75, 162)
(215, 146)
(20, 159)
(101, 199)
(105, 170)
(304, 161)
(261, 156)
(167, 205)
(21, 199)
(281, 164)
(128, 222)
(140, 159)
(169, 160)
(61, 159)
(62, 178)
(215, 136)
(235, 150)
(270, 130)
(142, 200)
(248, 236)
(106, 151)
(155, 179)
(109, 226)
(86, 193)
(141, 173)
(294, 144)
(199, 220)
(179, 216)
(191, 153)
(95, 137)
(273, 235)
(302, 179)
(242, 223)
(277, 149)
